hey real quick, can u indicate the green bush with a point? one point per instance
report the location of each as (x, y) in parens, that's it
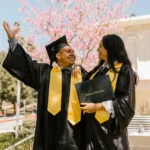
(4, 137)
(23, 134)
(4, 145)
(8, 139)
(29, 124)
(28, 145)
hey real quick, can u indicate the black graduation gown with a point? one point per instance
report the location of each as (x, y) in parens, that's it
(52, 132)
(112, 135)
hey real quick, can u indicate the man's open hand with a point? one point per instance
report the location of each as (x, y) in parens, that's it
(10, 33)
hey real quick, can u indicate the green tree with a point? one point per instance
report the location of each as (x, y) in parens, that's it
(8, 86)
(7, 83)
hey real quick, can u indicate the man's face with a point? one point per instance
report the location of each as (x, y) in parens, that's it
(66, 56)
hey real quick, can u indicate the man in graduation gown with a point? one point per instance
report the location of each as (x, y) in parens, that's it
(59, 125)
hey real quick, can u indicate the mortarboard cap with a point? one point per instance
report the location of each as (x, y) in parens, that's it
(54, 47)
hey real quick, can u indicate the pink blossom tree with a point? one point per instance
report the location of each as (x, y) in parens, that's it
(29, 45)
(84, 22)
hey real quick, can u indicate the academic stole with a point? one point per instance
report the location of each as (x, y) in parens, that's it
(55, 96)
(102, 115)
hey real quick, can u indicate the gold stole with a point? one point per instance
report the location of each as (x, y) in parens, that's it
(55, 96)
(102, 115)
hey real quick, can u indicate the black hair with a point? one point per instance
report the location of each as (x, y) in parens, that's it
(116, 50)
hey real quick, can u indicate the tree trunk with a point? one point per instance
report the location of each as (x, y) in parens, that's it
(0, 104)
(14, 103)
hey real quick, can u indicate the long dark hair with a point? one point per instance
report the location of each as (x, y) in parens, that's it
(116, 50)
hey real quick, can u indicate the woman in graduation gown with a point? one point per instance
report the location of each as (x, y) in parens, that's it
(53, 132)
(110, 132)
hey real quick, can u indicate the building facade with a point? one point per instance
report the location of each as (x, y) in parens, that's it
(137, 39)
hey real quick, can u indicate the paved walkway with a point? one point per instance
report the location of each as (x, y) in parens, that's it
(8, 123)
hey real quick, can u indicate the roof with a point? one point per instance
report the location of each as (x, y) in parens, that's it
(136, 20)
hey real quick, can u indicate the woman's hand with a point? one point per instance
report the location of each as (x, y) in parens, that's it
(91, 107)
(76, 69)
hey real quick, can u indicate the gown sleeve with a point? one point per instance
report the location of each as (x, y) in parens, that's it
(124, 102)
(84, 73)
(20, 65)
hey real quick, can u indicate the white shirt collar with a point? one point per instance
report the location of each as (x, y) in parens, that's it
(107, 65)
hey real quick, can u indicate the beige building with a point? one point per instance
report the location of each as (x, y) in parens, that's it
(137, 38)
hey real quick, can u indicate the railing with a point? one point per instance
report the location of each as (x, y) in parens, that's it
(139, 124)
(20, 142)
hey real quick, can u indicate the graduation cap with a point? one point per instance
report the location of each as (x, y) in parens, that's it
(54, 47)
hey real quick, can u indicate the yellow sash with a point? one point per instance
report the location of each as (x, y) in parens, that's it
(74, 111)
(55, 96)
(102, 115)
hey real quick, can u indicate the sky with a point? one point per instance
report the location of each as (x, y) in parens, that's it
(9, 12)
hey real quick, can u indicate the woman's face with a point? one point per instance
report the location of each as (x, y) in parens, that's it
(102, 52)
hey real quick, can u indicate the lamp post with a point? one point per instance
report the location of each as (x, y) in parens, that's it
(17, 108)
